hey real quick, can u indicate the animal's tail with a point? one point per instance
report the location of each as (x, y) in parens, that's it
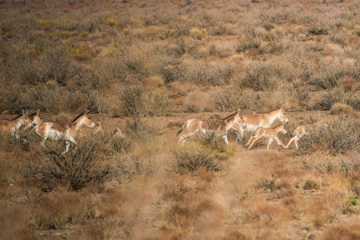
(182, 128)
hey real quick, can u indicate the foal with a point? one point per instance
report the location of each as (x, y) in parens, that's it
(114, 133)
(303, 130)
(270, 133)
(61, 130)
(218, 126)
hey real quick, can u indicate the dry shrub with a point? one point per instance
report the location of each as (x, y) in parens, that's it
(206, 152)
(342, 232)
(91, 232)
(141, 105)
(260, 77)
(74, 170)
(14, 223)
(199, 72)
(233, 97)
(320, 212)
(191, 158)
(58, 209)
(341, 136)
(318, 30)
(139, 102)
(311, 184)
(323, 163)
(348, 83)
(262, 214)
(267, 104)
(130, 166)
(249, 40)
(340, 108)
(109, 205)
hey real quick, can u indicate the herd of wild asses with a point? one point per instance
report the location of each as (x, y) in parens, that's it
(49, 129)
(259, 124)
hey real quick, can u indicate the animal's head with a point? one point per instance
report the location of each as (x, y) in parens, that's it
(26, 121)
(238, 115)
(283, 129)
(37, 118)
(118, 133)
(87, 120)
(99, 127)
(282, 115)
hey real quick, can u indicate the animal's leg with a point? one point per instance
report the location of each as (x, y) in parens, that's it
(71, 139)
(13, 134)
(279, 142)
(291, 140)
(225, 138)
(43, 142)
(269, 142)
(239, 135)
(251, 138)
(183, 138)
(67, 143)
(253, 142)
(296, 144)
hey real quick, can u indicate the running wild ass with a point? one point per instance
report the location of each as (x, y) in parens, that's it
(35, 118)
(254, 121)
(12, 126)
(270, 133)
(303, 130)
(63, 131)
(217, 126)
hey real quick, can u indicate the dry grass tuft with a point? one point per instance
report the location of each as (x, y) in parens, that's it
(340, 108)
(55, 210)
(342, 232)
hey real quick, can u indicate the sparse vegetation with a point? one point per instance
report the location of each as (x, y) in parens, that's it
(144, 67)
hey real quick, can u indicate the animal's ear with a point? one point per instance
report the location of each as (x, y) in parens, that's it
(38, 111)
(283, 105)
(238, 111)
(99, 122)
(86, 111)
(117, 128)
(23, 112)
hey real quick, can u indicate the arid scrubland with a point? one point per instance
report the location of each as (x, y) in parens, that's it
(147, 67)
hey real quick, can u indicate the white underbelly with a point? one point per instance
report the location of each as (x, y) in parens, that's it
(251, 128)
(54, 135)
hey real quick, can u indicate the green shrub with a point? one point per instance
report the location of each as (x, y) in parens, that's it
(351, 201)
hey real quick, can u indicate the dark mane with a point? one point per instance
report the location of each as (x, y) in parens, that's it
(77, 117)
(33, 114)
(229, 116)
(17, 117)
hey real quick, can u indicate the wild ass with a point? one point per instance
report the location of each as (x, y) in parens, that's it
(12, 126)
(254, 121)
(303, 130)
(114, 133)
(61, 130)
(35, 118)
(217, 126)
(270, 133)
